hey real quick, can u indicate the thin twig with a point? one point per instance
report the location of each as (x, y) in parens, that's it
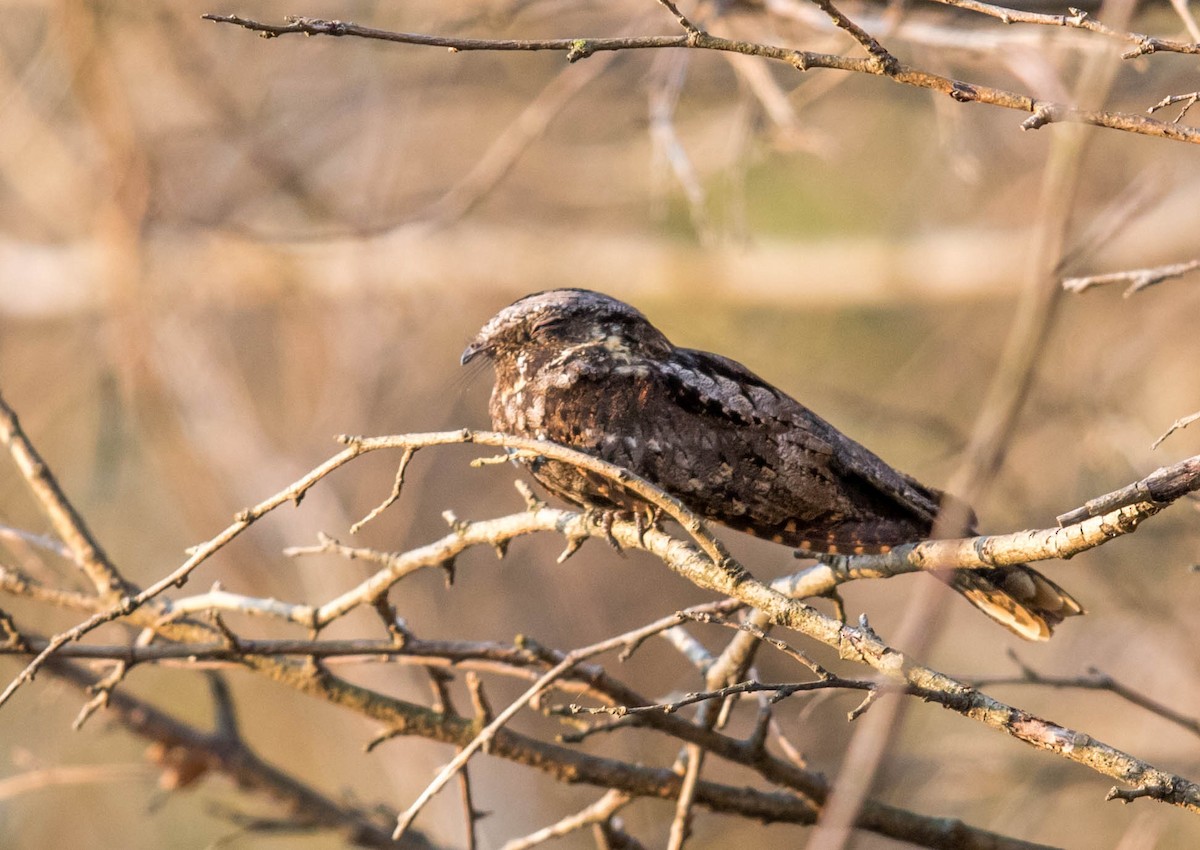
(440, 681)
(759, 634)
(781, 690)
(488, 732)
(1188, 100)
(68, 524)
(681, 823)
(1138, 279)
(691, 28)
(1178, 424)
(41, 541)
(597, 812)
(1078, 19)
(393, 497)
(880, 63)
(1094, 680)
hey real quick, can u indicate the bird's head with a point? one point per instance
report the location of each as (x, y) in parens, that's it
(557, 320)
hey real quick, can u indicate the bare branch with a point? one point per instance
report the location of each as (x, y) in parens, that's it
(67, 522)
(393, 497)
(1078, 19)
(1160, 488)
(880, 63)
(681, 824)
(489, 731)
(781, 691)
(691, 28)
(15, 582)
(707, 564)
(1095, 680)
(597, 812)
(1138, 279)
(1181, 422)
(1188, 100)
(863, 645)
(186, 752)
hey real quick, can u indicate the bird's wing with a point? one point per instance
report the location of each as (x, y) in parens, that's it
(795, 424)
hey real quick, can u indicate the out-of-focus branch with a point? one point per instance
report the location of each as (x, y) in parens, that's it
(598, 812)
(545, 681)
(1093, 680)
(880, 63)
(186, 753)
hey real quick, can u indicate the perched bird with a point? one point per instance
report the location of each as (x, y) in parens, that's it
(587, 371)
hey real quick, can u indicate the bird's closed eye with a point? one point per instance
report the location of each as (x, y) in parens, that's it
(547, 325)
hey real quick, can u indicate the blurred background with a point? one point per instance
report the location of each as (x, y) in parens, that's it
(217, 252)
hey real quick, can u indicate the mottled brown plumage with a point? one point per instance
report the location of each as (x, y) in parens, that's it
(587, 371)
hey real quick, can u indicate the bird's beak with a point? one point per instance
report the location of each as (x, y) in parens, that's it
(469, 353)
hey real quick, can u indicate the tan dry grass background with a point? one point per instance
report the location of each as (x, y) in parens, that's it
(216, 252)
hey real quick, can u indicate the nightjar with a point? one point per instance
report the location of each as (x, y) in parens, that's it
(587, 371)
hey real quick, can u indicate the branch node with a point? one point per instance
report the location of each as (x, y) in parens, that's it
(532, 502)
(490, 460)
(457, 525)
(1043, 115)
(1145, 47)
(448, 568)
(12, 638)
(1128, 795)
(581, 48)
(963, 92)
(227, 636)
(392, 621)
(317, 26)
(101, 690)
(484, 714)
(573, 545)
(862, 707)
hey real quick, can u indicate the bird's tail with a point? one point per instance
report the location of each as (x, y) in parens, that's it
(1018, 597)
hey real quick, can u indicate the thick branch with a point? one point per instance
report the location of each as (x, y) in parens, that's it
(570, 765)
(1161, 487)
(708, 565)
(863, 645)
